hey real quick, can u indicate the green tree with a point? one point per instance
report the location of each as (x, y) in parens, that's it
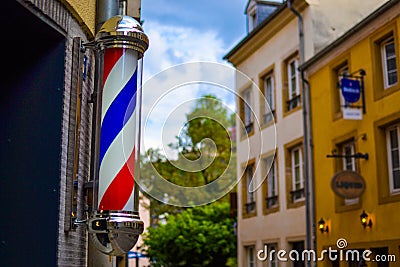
(209, 120)
(199, 236)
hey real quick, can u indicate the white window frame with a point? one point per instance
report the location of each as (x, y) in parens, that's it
(349, 162)
(269, 92)
(274, 261)
(388, 41)
(251, 257)
(292, 76)
(300, 167)
(390, 150)
(247, 110)
(272, 181)
(341, 72)
(252, 17)
(249, 176)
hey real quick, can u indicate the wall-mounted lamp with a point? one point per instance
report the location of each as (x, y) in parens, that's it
(365, 220)
(322, 226)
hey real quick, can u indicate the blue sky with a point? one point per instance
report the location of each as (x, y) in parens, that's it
(182, 31)
(223, 17)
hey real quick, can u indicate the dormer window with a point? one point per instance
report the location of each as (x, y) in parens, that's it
(258, 10)
(252, 17)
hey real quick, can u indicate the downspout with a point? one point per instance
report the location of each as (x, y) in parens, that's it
(308, 184)
(106, 9)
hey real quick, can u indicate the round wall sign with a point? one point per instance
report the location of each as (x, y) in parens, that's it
(348, 184)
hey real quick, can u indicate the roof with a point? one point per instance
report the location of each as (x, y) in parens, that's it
(257, 29)
(263, 2)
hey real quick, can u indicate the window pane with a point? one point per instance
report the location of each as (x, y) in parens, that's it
(271, 182)
(396, 179)
(392, 78)
(390, 48)
(247, 107)
(250, 256)
(292, 75)
(340, 74)
(394, 139)
(297, 178)
(395, 159)
(349, 163)
(296, 157)
(391, 64)
(269, 94)
(249, 176)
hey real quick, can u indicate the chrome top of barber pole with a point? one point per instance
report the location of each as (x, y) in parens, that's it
(122, 32)
(116, 225)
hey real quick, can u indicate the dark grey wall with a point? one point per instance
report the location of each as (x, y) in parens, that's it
(31, 93)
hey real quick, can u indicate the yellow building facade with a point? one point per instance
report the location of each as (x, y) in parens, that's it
(363, 213)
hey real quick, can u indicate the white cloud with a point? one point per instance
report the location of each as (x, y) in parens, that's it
(169, 47)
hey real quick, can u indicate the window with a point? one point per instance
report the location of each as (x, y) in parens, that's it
(293, 84)
(385, 64)
(250, 256)
(380, 251)
(389, 65)
(272, 182)
(246, 113)
(348, 163)
(269, 94)
(294, 173)
(272, 260)
(248, 194)
(347, 149)
(251, 17)
(393, 150)
(341, 73)
(299, 248)
(250, 204)
(297, 174)
(387, 140)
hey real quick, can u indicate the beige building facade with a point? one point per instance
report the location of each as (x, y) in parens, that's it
(273, 209)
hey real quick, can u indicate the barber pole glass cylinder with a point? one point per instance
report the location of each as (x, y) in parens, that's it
(119, 140)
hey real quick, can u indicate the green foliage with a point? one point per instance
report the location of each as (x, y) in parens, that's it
(209, 120)
(199, 236)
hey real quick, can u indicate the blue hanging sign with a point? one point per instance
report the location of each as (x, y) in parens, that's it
(351, 90)
(134, 255)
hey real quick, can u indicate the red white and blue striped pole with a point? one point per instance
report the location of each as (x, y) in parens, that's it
(116, 225)
(118, 130)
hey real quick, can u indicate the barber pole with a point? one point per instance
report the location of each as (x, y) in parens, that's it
(115, 226)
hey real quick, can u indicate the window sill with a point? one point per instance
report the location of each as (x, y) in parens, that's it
(271, 202)
(384, 92)
(289, 112)
(394, 197)
(297, 204)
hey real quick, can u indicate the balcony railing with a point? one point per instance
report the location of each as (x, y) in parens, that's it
(297, 194)
(268, 117)
(248, 128)
(250, 207)
(272, 202)
(293, 103)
